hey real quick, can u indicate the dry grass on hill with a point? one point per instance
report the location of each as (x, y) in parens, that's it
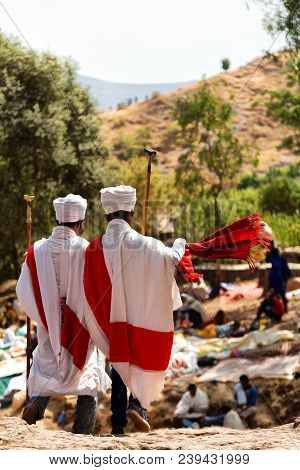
(242, 87)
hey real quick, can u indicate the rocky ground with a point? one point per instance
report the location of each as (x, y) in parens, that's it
(15, 434)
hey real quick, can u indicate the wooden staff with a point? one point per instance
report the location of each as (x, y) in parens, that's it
(28, 200)
(150, 153)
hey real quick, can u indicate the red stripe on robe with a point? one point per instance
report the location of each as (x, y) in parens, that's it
(97, 284)
(142, 347)
(74, 337)
(30, 260)
(147, 349)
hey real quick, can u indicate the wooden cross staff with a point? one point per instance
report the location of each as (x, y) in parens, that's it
(151, 154)
(28, 200)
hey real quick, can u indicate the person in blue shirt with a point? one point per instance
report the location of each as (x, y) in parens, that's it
(279, 274)
(245, 395)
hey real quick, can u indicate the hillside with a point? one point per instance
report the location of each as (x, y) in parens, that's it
(152, 120)
(16, 434)
(109, 94)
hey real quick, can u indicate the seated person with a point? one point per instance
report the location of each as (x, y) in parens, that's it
(237, 330)
(22, 328)
(191, 313)
(230, 329)
(245, 395)
(216, 326)
(272, 306)
(219, 319)
(10, 332)
(192, 407)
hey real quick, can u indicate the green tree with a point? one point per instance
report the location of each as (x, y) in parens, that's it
(225, 64)
(284, 104)
(49, 142)
(281, 194)
(213, 155)
(283, 16)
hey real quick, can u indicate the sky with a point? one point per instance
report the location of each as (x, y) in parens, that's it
(142, 41)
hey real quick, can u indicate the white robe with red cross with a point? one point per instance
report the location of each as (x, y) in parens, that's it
(50, 288)
(131, 294)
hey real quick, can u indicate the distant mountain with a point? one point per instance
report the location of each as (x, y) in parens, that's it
(109, 94)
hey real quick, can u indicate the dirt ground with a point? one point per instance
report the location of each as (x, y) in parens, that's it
(279, 401)
(15, 434)
(245, 312)
(278, 404)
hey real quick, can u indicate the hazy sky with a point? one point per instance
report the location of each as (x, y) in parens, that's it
(140, 41)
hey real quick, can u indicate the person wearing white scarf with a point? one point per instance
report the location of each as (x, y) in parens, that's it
(131, 294)
(66, 361)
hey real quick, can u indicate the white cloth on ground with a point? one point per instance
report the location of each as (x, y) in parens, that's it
(16, 383)
(233, 421)
(199, 405)
(53, 371)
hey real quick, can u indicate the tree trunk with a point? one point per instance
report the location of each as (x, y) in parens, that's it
(216, 211)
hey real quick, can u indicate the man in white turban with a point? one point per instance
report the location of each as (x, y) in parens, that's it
(131, 294)
(66, 361)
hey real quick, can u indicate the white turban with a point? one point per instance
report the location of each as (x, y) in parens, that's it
(70, 208)
(118, 198)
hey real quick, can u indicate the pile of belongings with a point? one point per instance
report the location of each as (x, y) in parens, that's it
(184, 357)
(193, 354)
(245, 290)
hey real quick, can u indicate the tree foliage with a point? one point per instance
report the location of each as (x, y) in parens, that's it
(282, 194)
(49, 142)
(225, 64)
(213, 154)
(284, 104)
(283, 16)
